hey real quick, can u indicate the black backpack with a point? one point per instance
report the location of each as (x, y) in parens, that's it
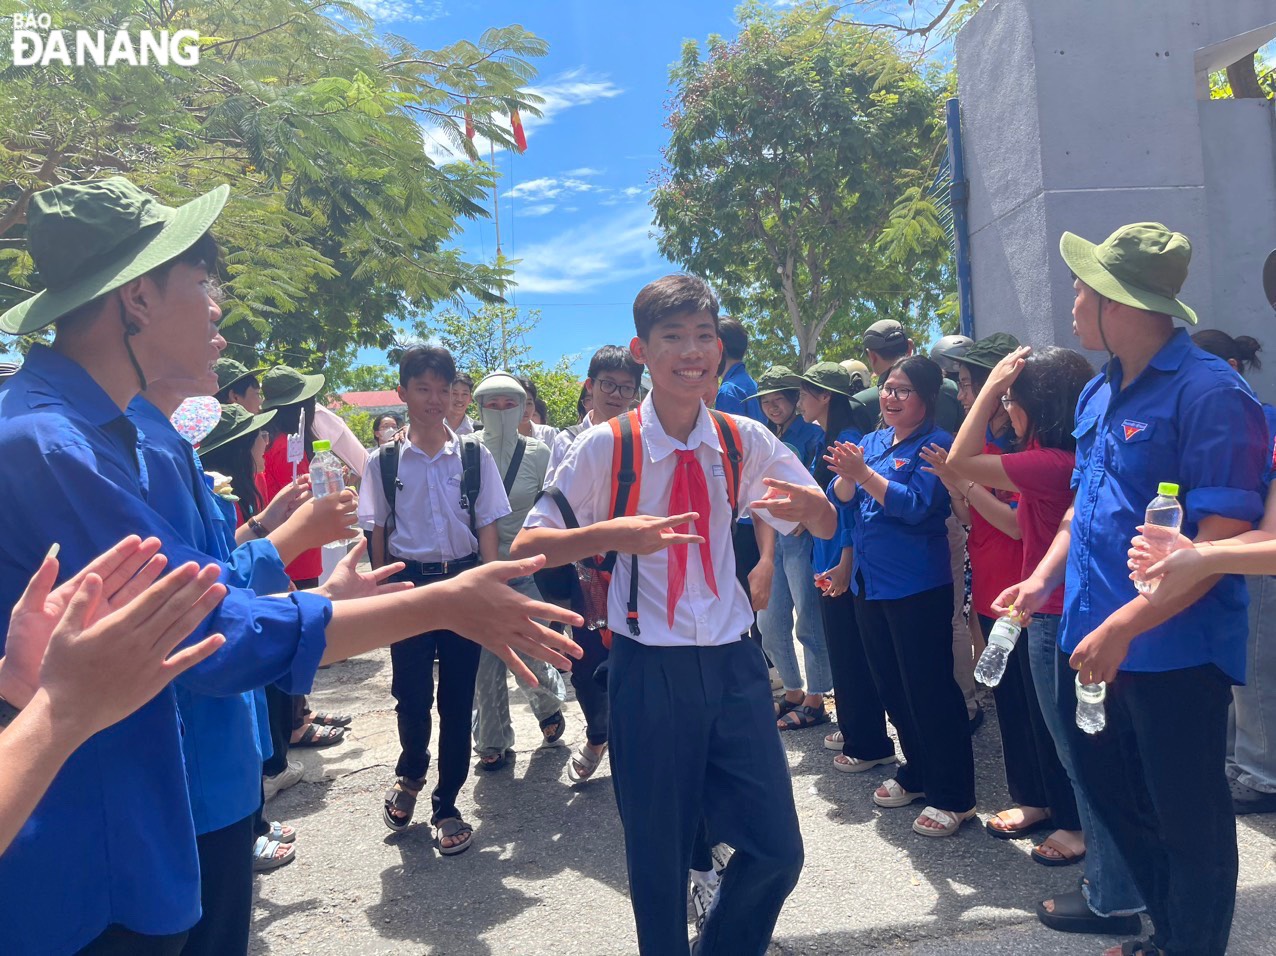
(471, 478)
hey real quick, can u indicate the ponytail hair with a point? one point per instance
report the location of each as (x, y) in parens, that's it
(1243, 350)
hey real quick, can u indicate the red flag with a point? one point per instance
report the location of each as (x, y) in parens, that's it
(520, 137)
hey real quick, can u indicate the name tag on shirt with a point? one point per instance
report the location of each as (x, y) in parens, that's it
(719, 472)
(454, 480)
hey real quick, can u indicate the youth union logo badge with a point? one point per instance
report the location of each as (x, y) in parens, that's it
(1132, 428)
(901, 462)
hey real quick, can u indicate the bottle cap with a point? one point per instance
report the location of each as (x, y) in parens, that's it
(1168, 488)
(322, 445)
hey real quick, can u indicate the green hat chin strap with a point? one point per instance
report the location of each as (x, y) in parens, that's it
(131, 330)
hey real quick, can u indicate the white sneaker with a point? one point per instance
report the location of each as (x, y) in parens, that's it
(289, 776)
(704, 893)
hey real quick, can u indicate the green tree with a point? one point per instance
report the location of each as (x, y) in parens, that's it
(796, 178)
(339, 222)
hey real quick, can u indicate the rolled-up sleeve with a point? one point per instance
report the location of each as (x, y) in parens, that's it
(256, 565)
(923, 495)
(1222, 436)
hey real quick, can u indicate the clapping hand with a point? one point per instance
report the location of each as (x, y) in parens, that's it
(847, 462)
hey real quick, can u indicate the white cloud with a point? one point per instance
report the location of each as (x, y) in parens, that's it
(402, 11)
(583, 172)
(623, 195)
(586, 256)
(540, 209)
(547, 187)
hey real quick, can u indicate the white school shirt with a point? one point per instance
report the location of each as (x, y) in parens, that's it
(699, 617)
(429, 523)
(562, 442)
(545, 433)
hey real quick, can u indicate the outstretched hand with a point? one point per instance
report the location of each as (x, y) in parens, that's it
(645, 534)
(347, 581)
(496, 616)
(802, 504)
(125, 571)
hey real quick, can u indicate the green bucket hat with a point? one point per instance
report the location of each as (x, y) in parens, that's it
(829, 376)
(236, 422)
(88, 239)
(284, 385)
(229, 372)
(778, 378)
(1143, 265)
(988, 351)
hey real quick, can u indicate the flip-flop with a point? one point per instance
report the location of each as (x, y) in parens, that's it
(1014, 833)
(1066, 856)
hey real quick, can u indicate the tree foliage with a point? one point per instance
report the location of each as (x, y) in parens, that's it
(796, 179)
(339, 223)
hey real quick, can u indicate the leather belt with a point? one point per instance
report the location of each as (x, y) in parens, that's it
(434, 569)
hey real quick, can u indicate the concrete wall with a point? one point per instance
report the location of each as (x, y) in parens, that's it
(1083, 115)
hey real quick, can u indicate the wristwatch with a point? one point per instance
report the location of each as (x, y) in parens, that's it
(7, 713)
(257, 528)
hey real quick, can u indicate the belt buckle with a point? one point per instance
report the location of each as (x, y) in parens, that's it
(444, 566)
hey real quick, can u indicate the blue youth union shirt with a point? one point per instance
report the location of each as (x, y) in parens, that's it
(901, 546)
(114, 833)
(737, 395)
(220, 743)
(826, 553)
(1188, 419)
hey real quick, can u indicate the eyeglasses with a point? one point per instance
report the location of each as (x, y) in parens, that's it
(1006, 401)
(903, 394)
(965, 387)
(613, 388)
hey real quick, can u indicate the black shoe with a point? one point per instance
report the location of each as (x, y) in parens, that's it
(977, 721)
(1248, 800)
(1073, 915)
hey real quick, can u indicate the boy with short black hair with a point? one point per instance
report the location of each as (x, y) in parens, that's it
(426, 511)
(614, 380)
(693, 731)
(462, 395)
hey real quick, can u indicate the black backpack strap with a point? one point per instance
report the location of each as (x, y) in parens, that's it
(389, 461)
(564, 507)
(516, 459)
(471, 478)
(627, 491)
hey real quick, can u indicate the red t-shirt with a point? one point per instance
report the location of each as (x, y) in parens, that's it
(278, 473)
(1044, 479)
(996, 559)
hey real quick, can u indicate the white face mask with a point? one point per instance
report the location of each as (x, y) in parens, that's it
(500, 427)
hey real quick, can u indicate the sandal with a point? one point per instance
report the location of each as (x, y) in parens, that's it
(1138, 947)
(1071, 914)
(587, 760)
(316, 735)
(803, 716)
(402, 797)
(453, 828)
(1065, 856)
(281, 832)
(784, 706)
(856, 765)
(949, 822)
(494, 759)
(324, 719)
(559, 725)
(998, 827)
(835, 741)
(896, 796)
(266, 854)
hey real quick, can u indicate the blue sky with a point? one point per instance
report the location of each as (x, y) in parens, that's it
(574, 207)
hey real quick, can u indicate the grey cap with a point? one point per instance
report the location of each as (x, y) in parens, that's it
(884, 334)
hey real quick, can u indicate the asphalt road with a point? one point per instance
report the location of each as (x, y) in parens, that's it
(546, 873)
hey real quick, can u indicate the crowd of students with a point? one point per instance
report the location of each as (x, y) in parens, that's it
(670, 554)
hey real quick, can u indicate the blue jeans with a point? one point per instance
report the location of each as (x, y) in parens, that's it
(1109, 887)
(1251, 751)
(793, 587)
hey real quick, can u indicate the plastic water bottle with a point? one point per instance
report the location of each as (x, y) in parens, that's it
(1161, 526)
(327, 475)
(1090, 715)
(992, 662)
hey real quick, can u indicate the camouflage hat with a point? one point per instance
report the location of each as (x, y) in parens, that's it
(829, 376)
(778, 378)
(988, 351)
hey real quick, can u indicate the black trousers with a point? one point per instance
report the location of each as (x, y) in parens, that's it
(590, 693)
(745, 544)
(724, 773)
(225, 891)
(1034, 773)
(412, 684)
(909, 642)
(119, 941)
(280, 711)
(861, 716)
(1155, 775)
